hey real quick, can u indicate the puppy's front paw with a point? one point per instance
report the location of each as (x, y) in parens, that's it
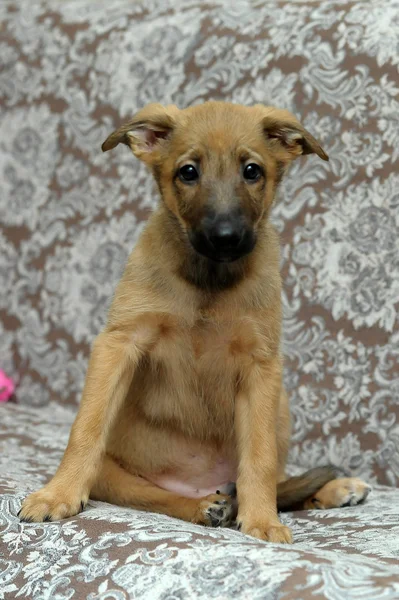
(216, 510)
(51, 504)
(338, 493)
(273, 532)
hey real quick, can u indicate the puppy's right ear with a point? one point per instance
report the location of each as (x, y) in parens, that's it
(145, 132)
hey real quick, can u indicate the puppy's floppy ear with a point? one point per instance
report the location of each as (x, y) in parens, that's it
(145, 131)
(284, 128)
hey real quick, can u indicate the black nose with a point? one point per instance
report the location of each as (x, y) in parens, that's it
(225, 235)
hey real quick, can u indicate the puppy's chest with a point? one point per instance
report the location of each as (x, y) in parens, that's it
(207, 345)
(191, 375)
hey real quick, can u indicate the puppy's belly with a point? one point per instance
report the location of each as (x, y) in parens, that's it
(196, 476)
(170, 459)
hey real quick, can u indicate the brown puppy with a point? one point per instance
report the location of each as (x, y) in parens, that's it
(184, 388)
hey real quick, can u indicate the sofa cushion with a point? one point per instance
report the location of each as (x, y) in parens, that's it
(112, 552)
(74, 70)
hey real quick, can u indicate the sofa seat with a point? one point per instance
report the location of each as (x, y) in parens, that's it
(109, 552)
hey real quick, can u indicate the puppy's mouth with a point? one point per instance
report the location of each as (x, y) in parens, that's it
(222, 251)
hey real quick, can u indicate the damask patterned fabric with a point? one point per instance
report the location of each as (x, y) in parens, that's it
(70, 72)
(115, 553)
(73, 70)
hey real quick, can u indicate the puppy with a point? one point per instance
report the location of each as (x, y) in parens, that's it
(184, 392)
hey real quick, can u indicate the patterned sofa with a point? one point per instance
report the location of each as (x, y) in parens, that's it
(72, 70)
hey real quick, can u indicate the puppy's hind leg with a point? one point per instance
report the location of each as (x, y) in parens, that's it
(117, 486)
(345, 491)
(320, 488)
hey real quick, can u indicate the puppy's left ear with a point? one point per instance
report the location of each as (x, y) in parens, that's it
(283, 129)
(145, 132)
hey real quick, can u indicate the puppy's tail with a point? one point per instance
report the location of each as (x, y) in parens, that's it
(291, 494)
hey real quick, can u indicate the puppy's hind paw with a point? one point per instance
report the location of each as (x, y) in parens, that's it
(339, 493)
(216, 510)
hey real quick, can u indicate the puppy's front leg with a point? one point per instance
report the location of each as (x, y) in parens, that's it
(113, 359)
(256, 422)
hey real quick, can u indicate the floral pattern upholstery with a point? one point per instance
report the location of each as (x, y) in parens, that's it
(71, 71)
(109, 552)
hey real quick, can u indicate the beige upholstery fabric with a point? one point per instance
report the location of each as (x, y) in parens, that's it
(70, 72)
(108, 552)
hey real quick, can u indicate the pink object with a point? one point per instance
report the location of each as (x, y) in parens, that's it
(7, 387)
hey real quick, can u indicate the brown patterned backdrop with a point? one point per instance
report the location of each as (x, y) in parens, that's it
(71, 71)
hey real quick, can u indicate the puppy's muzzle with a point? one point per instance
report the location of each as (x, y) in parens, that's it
(223, 238)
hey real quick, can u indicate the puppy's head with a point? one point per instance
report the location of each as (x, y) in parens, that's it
(217, 166)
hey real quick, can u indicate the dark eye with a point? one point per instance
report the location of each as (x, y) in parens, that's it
(188, 173)
(252, 172)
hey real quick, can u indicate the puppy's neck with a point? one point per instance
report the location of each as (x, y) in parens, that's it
(209, 275)
(201, 272)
